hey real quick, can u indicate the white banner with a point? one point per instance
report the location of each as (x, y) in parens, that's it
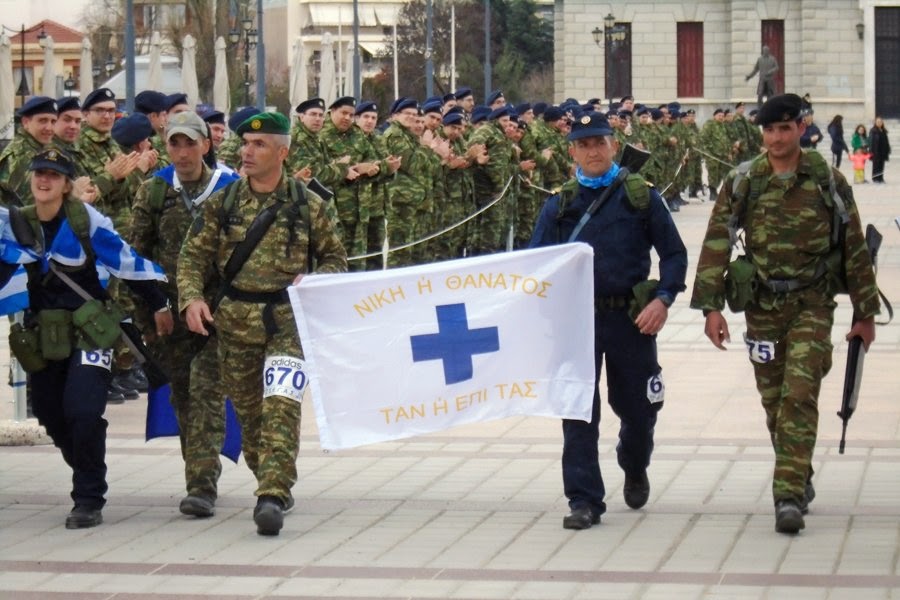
(402, 352)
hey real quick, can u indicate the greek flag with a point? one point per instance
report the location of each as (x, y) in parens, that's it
(14, 295)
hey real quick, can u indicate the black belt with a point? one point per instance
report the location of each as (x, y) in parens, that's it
(270, 299)
(610, 302)
(783, 286)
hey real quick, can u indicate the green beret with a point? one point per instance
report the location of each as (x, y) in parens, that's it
(265, 122)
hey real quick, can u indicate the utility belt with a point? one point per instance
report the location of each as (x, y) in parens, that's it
(611, 302)
(270, 299)
(642, 293)
(742, 283)
(52, 334)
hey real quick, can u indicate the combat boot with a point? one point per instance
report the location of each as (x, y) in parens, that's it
(197, 506)
(788, 517)
(268, 515)
(636, 489)
(84, 516)
(581, 518)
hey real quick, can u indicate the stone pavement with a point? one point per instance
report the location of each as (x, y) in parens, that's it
(475, 512)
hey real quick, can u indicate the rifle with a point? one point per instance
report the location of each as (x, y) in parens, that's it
(856, 353)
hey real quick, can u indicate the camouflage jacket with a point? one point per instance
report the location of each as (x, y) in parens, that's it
(229, 151)
(307, 151)
(281, 254)
(490, 178)
(714, 140)
(407, 186)
(14, 163)
(789, 235)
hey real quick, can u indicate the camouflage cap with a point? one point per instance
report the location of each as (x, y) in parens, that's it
(53, 159)
(186, 123)
(266, 122)
(780, 109)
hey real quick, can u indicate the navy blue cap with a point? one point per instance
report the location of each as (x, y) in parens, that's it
(433, 106)
(642, 111)
(586, 107)
(38, 105)
(624, 98)
(539, 108)
(366, 106)
(241, 115)
(675, 114)
(97, 96)
(523, 108)
(554, 113)
(404, 103)
(130, 130)
(310, 103)
(394, 104)
(448, 97)
(150, 101)
(502, 111)
(54, 159)
(67, 103)
(674, 106)
(431, 99)
(454, 118)
(480, 113)
(456, 110)
(594, 101)
(211, 115)
(462, 92)
(623, 114)
(493, 97)
(343, 101)
(656, 114)
(173, 100)
(591, 124)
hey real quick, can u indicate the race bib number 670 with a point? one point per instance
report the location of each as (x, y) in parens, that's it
(284, 376)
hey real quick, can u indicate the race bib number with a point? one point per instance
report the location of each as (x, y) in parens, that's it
(656, 389)
(760, 351)
(97, 358)
(284, 376)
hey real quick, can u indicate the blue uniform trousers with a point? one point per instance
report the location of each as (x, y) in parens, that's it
(631, 363)
(69, 400)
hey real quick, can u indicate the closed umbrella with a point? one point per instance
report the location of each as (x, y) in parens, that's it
(154, 69)
(49, 87)
(299, 84)
(7, 89)
(350, 85)
(189, 83)
(327, 80)
(86, 69)
(221, 94)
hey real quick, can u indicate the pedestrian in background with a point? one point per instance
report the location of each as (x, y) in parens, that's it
(838, 145)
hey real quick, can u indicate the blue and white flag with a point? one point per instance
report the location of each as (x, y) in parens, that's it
(14, 295)
(397, 353)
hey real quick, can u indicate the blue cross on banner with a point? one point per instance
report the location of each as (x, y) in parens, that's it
(455, 343)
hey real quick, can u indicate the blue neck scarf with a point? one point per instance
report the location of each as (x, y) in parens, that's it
(597, 182)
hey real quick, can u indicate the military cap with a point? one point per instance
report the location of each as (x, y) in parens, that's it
(717, 111)
(173, 100)
(676, 106)
(586, 107)
(727, 111)
(366, 106)
(456, 110)
(753, 112)
(591, 124)
(502, 111)
(129, 131)
(494, 96)
(779, 109)
(656, 114)
(675, 114)
(403, 104)
(480, 113)
(38, 105)
(394, 104)
(311, 103)
(211, 115)
(462, 92)
(97, 96)
(554, 113)
(522, 125)
(343, 101)
(434, 106)
(623, 114)
(626, 98)
(577, 112)
(690, 111)
(266, 122)
(187, 123)
(615, 106)
(453, 118)
(539, 108)
(150, 101)
(523, 108)
(67, 103)
(241, 115)
(738, 104)
(448, 97)
(431, 99)
(55, 160)
(594, 101)
(641, 111)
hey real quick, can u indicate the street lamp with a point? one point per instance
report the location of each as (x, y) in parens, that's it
(248, 37)
(69, 84)
(610, 36)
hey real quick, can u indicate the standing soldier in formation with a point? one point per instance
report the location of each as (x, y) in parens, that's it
(694, 166)
(307, 151)
(789, 203)
(153, 104)
(746, 137)
(230, 150)
(164, 208)
(491, 181)
(254, 321)
(717, 150)
(457, 175)
(38, 116)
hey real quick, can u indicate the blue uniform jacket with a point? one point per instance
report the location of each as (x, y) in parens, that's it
(621, 236)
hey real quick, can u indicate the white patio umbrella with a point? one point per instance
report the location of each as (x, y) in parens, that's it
(7, 89)
(299, 83)
(86, 69)
(154, 68)
(49, 84)
(327, 80)
(221, 95)
(189, 83)
(351, 75)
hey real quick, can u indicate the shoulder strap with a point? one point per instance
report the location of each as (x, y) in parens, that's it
(80, 222)
(228, 203)
(600, 201)
(637, 190)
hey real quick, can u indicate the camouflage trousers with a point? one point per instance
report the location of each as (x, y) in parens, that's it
(402, 229)
(199, 404)
(789, 384)
(270, 426)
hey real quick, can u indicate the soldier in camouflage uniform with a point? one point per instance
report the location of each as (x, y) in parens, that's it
(68, 124)
(693, 168)
(153, 104)
(229, 152)
(551, 135)
(717, 148)
(788, 219)
(746, 137)
(38, 117)
(163, 210)
(307, 150)
(254, 321)
(460, 188)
